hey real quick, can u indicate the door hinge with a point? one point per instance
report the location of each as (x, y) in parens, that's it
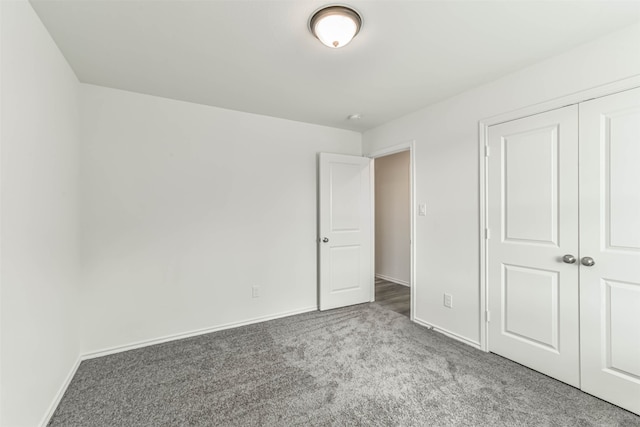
(488, 316)
(487, 233)
(487, 151)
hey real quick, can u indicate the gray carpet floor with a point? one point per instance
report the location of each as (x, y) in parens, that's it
(356, 366)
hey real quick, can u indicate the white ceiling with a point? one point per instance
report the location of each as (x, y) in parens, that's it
(258, 56)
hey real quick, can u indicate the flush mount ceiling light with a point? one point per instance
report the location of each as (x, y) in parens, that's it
(335, 26)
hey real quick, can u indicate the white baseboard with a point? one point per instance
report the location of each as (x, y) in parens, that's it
(58, 397)
(189, 334)
(450, 334)
(393, 280)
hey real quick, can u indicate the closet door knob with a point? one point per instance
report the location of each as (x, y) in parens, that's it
(587, 261)
(325, 240)
(569, 259)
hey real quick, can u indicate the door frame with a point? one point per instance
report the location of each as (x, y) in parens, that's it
(403, 146)
(483, 129)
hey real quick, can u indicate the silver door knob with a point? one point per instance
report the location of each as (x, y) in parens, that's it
(587, 261)
(325, 240)
(569, 259)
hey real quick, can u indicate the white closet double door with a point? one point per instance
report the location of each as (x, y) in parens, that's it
(563, 209)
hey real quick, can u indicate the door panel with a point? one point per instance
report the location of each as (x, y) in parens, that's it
(530, 293)
(610, 234)
(346, 219)
(530, 161)
(532, 217)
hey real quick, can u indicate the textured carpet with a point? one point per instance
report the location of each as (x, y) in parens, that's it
(356, 366)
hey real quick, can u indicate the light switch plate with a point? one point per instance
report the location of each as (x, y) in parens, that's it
(448, 300)
(422, 209)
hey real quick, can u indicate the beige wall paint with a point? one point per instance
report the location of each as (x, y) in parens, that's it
(393, 222)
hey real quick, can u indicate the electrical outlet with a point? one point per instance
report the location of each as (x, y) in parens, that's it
(255, 291)
(448, 300)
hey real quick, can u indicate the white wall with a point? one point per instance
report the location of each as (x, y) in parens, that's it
(185, 207)
(446, 156)
(39, 145)
(393, 222)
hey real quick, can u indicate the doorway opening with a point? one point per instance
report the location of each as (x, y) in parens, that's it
(393, 222)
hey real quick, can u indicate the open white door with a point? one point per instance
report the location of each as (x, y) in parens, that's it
(610, 248)
(345, 231)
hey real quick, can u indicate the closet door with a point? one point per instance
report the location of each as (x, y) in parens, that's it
(610, 237)
(533, 223)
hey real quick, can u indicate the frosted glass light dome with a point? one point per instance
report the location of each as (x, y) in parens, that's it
(335, 26)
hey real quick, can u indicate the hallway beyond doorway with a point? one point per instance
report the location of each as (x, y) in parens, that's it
(393, 296)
